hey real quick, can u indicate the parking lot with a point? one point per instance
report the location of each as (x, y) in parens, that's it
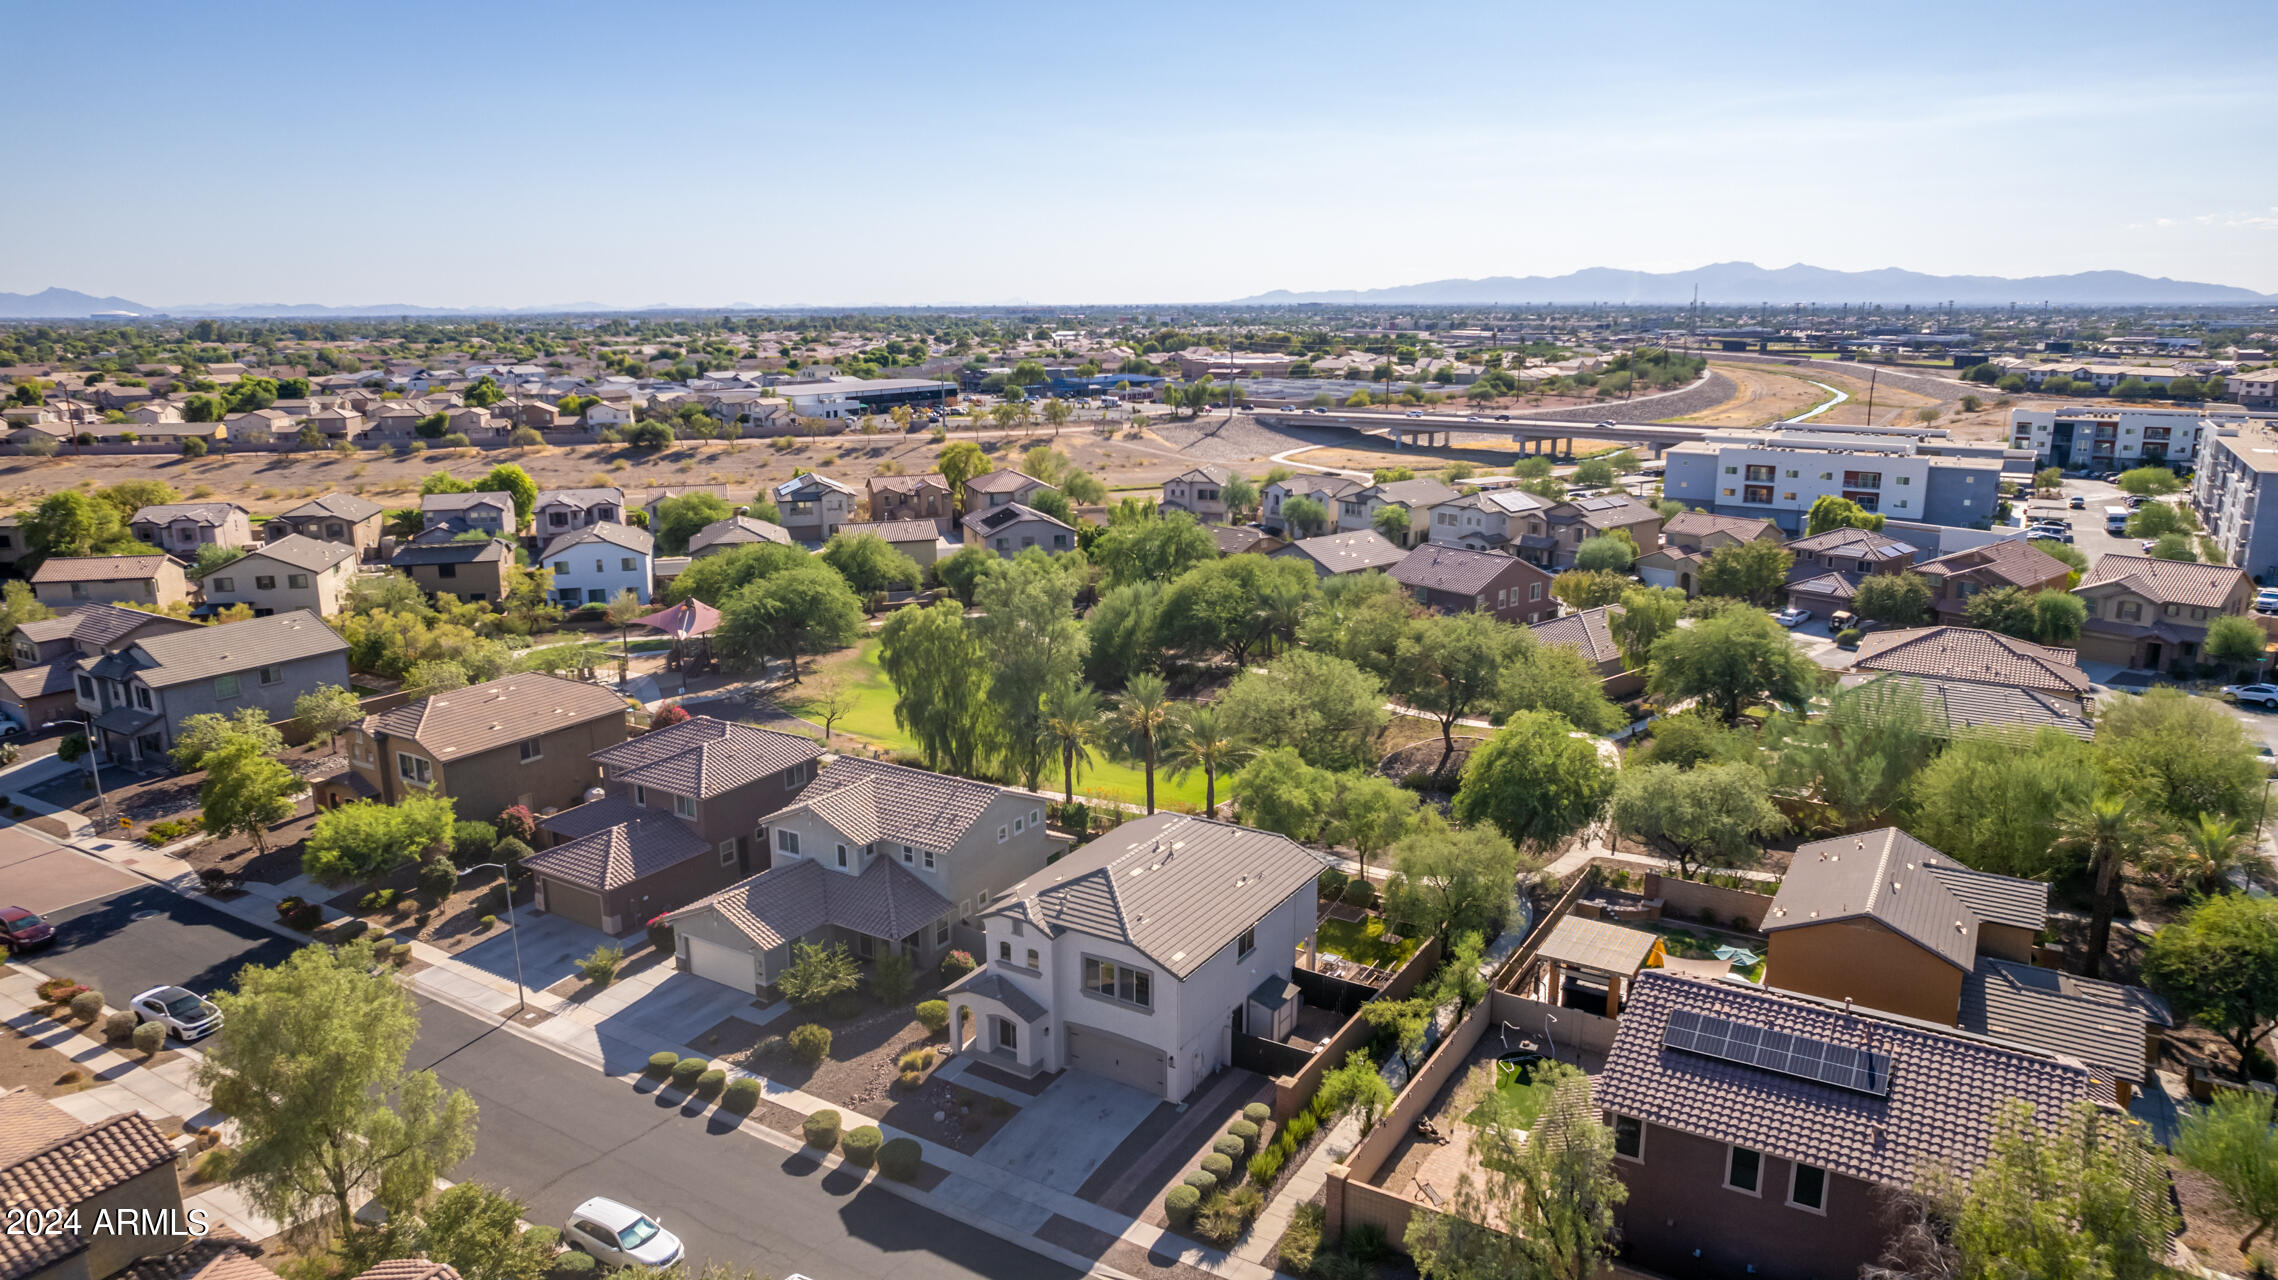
(2087, 524)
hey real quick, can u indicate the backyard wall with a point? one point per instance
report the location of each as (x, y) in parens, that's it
(1454, 1051)
(1575, 1028)
(1292, 1092)
(1524, 956)
(1687, 899)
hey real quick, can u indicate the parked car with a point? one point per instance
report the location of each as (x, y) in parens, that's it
(2147, 544)
(2136, 501)
(185, 1014)
(2050, 535)
(618, 1235)
(2078, 502)
(21, 930)
(2266, 601)
(1792, 616)
(2262, 695)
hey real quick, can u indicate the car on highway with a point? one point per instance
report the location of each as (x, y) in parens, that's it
(1502, 417)
(1473, 417)
(1319, 409)
(21, 929)
(185, 1014)
(1607, 423)
(1792, 616)
(1413, 413)
(2262, 695)
(618, 1235)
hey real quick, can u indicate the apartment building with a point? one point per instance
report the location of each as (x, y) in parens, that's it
(2237, 463)
(2108, 439)
(1777, 475)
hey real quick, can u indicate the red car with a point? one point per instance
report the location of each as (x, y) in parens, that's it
(21, 930)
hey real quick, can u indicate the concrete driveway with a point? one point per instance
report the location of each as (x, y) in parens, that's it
(1069, 1130)
(551, 948)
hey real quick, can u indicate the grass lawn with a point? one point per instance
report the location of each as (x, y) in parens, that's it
(1516, 1085)
(1686, 943)
(1363, 942)
(872, 719)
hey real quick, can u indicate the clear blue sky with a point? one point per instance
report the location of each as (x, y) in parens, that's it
(489, 154)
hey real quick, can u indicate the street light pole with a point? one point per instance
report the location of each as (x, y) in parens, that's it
(94, 762)
(505, 877)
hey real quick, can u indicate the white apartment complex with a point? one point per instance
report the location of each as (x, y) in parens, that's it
(2109, 439)
(2238, 468)
(1776, 476)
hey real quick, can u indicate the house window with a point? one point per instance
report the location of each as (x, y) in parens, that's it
(1534, 591)
(685, 807)
(1121, 983)
(1743, 1168)
(626, 564)
(86, 688)
(928, 859)
(1017, 824)
(531, 750)
(225, 584)
(225, 686)
(1629, 1137)
(842, 855)
(1807, 1187)
(909, 856)
(787, 841)
(297, 581)
(727, 853)
(1247, 943)
(142, 697)
(941, 932)
(264, 582)
(414, 769)
(1000, 835)
(1033, 962)
(446, 571)
(272, 675)
(1004, 951)
(791, 776)
(79, 591)
(1036, 817)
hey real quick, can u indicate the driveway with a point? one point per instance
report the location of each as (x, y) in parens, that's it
(1069, 1130)
(40, 875)
(551, 948)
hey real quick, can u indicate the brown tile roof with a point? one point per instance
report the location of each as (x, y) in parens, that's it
(99, 568)
(346, 506)
(1453, 569)
(481, 717)
(200, 512)
(908, 806)
(312, 554)
(29, 1123)
(1966, 704)
(736, 530)
(217, 1256)
(471, 551)
(1855, 544)
(1611, 511)
(581, 820)
(1234, 540)
(1208, 471)
(704, 757)
(2205, 586)
(232, 648)
(1835, 586)
(1002, 482)
(2016, 564)
(580, 498)
(1963, 653)
(618, 855)
(410, 1269)
(1587, 633)
(1994, 899)
(1944, 1088)
(1700, 524)
(71, 1170)
(467, 501)
(894, 530)
(1877, 875)
(793, 899)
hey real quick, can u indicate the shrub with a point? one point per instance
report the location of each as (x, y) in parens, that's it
(437, 877)
(118, 1025)
(741, 1096)
(1231, 1147)
(525, 437)
(662, 1062)
(711, 1082)
(1332, 882)
(1302, 1240)
(660, 937)
(486, 923)
(1257, 1113)
(890, 977)
(574, 1263)
(861, 1144)
(86, 1005)
(1223, 1220)
(214, 1165)
(900, 1159)
(346, 931)
(1202, 1183)
(600, 965)
(933, 1015)
(1359, 893)
(821, 1129)
(376, 900)
(811, 1043)
(1265, 1166)
(686, 1071)
(1179, 1204)
(1220, 1166)
(1848, 637)
(909, 1081)
(150, 1037)
(956, 965)
(473, 843)
(1247, 1132)
(916, 1060)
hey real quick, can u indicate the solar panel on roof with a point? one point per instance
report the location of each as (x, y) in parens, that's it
(1802, 1057)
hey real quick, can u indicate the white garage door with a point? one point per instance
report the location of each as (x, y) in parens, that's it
(1122, 1060)
(724, 965)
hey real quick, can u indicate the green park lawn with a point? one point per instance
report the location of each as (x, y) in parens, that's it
(1362, 942)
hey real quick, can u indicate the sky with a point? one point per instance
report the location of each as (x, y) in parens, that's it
(494, 154)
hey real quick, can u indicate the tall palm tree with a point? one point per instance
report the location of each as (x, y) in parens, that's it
(2110, 834)
(1072, 723)
(1201, 739)
(2207, 848)
(1145, 710)
(1280, 606)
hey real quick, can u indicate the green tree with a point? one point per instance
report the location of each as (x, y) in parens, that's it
(477, 1232)
(963, 570)
(1556, 678)
(1593, 473)
(1689, 738)
(510, 479)
(1856, 759)
(1712, 815)
(1993, 799)
(817, 972)
(1201, 740)
(2218, 965)
(1368, 814)
(483, 392)
(1360, 617)
(2049, 478)
(1547, 1181)
(2205, 849)
(73, 524)
(1231, 605)
(2149, 482)
(683, 516)
(1831, 512)
(2065, 1202)
(203, 734)
(1156, 548)
(2180, 755)
(2045, 617)
(800, 610)
(357, 842)
(1304, 516)
(1145, 712)
(1072, 721)
(1450, 667)
(1534, 781)
(326, 710)
(1605, 552)
(1028, 630)
(1753, 571)
(1447, 880)
(1240, 496)
(1394, 523)
(2236, 643)
(649, 435)
(1580, 589)
(1893, 599)
(1646, 615)
(2232, 1142)
(1353, 1088)
(1278, 791)
(1122, 631)
(714, 578)
(941, 683)
(310, 1063)
(2176, 547)
(870, 564)
(1731, 662)
(2107, 834)
(2158, 519)
(623, 610)
(246, 792)
(443, 482)
(1327, 709)
(960, 462)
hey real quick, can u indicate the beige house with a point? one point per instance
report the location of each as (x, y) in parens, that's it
(912, 497)
(155, 580)
(735, 531)
(181, 528)
(1012, 528)
(111, 1187)
(335, 517)
(291, 573)
(2150, 613)
(916, 539)
(992, 489)
(1200, 492)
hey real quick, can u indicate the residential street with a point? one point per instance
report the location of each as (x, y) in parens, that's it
(555, 1132)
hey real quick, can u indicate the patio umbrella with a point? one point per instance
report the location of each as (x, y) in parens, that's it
(683, 620)
(1741, 956)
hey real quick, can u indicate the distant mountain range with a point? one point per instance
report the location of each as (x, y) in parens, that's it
(1745, 283)
(70, 304)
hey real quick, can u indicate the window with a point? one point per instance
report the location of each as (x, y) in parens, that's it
(791, 776)
(414, 769)
(272, 675)
(1033, 962)
(1036, 817)
(1807, 1187)
(297, 581)
(842, 855)
(941, 932)
(1004, 951)
(561, 566)
(142, 697)
(1247, 943)
(264, 582)
(86, 688)
(1000, 835)
(1119, 982)
(1018, 824)
(79, 591)
(1534, 591)
(225, 686)
(1629, 1137)
(1742, 1169)
(685, 807)
(928, 859)
(909, 856)
(446, 571)
(626, 564)
(787, 841)
(641, 801)
(530, 750)
(225, 584)
(727, 853)
(1906, 480)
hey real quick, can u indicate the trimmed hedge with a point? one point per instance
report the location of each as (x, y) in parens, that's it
(574, 1263)
(1180, 1203)
(150, 1037)
(1231, 1147)
(686, 1072)
(711, 1082)
(1219, 1166)
(1257, 1113)
(741, 1096)
(662, 1062)
(86, 1005)
(118, 1024)
(811, 1042)
(1248, 1133)
(821, 1129)
(1202, 1183)
(933, 1015)
(861, 1144)
(900, 1159)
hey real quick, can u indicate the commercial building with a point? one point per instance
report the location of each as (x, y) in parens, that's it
(2237, 463)
(2107, 439)
(1777, 475)
(856, 397)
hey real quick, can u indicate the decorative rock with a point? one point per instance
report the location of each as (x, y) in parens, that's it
(940, 1116)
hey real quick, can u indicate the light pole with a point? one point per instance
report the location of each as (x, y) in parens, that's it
(505, 877)
(94, 763)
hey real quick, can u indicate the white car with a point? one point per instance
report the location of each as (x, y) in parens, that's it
(1792, 617)
(1415, 413)
(619, 1235)
(2265, 695)
(185, 1014)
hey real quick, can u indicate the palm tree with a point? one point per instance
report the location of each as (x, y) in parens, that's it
(1145, 709)
(2110, 834)
(2206, 849)
(1072, 723)
(1280, 606)
(1202, 740)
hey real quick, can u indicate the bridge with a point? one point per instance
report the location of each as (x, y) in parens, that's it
(1549, 436)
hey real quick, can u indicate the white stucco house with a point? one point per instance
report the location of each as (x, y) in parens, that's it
(1139, 956)
(595, 563)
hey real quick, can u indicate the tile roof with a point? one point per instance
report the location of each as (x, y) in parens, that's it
(1612, 510)
(1993, 899)
(911, 484)
(1233, 540)
(26, 683)
(1966, 704)
(1347, 552)
(199, 512)
(1003, 482)
(99, 568)
(72, 1169)
(1877, 875)
(894, 530)
(492, 714)
(1208, 471)
(1177, 888)
(409, 1269)
(467, 501)
(606, 532)
(793, 899)
(987, 984)
(1835, 586)
(1701, 524)
(2206, 586)
(1434, 567)
(580, 498)
(219, 1255)
(1963, 653)
(1587, 633)
(471, 551)
(231, 648)
(29, 1123)
(704, 757)
(736, 530)
(907, 806)
(1855, 544)
(581, 820)
(617, 855)
(1944, 1087)
(1419, 491)
(97, 625)
(1319, 485)
(347, 506)
(312, 554)
(2090, 1021)
(812, 482)
(1601, 945)
(2012, 563)
(1011, 513)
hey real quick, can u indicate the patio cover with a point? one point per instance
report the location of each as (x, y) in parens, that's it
(1599, 946)
(688, 618)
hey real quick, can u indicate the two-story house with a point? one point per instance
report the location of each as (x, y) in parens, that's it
(155, 581)
(1590, 634)
(1141, 955)
(1200, 492)
(1326, 491)
(1415, 498)
(912, 497)
(1511, 520)
(1966, 655)
(560, 511)
(735, 531)
(680, 817)
(595, 563)
(460, 512)
(1450, 579)
(813, 506)
(181, 528)
(1955, 578)
(526, 739)
(277, 577)
(1012, 528)
(1690, 538)
(46, 652)
(469, 570)
(335, 517)
(1829, 566)
(1571, 523)
(2149, 613)
(138, 696)
(992, 489)
(872, 855)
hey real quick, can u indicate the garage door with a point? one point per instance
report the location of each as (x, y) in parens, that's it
(1119, 1059)
(572, 903)
(724, 965)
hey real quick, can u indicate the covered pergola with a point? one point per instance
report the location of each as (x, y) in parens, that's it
(1594, 949)
(690, 625)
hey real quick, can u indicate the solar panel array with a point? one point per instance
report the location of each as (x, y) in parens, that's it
(1750, 1045)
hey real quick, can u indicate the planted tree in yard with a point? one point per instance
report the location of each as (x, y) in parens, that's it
(1368, 814)
(1028, 631)
(1278, 791)
(1753, 571)
(2218, 965)
(817, 972)
(1647, 614)
(1200, 739)
(1557, 679)
(1404, 1022)
(1831, 512)
(1447, 880)
(1325, 708)
(1450, 666)
(2232, 1142)
(959, 463)
(1713, 815)
(326, 710)
(1858, 757)
(1548, 1181)
(477, 1232)
(623, 610)
(207, 732)
(1073, 720)
(2180, 755)
(246, 792)
(801, 610)
(2149, 482)
(359, 841)
(1605, 552)
(1353, 1088)
(1894, 599)
(2108, 834)
(1145, 712)
(870, 564)
(2236, 643)
(1733, 661)
(1534, 781)
(1304, 517)
(310, 1063)
(1580, 588)
(1993, 799)
(941, 683)
(829, 699)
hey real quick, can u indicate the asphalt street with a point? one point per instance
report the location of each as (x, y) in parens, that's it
(554, 1132)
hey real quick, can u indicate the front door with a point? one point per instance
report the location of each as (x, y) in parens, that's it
(2151, 655)
(1008, 1034)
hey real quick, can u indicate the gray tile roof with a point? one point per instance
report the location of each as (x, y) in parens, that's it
(232, 648)
(471, 551)
(198, 512)
(1944, 1087)
(894, 530)
(98, 625)
(606, 532)
(1965, 704)
(618, 855)
(1855, 544)
(1003, 482)
(1421, 491)
(2052, 1011)
(1993, 899)
(736, 530)
(100, 568)
(1600, 945)
(1434, 567)
(580, 498)
(581, 820)
(1964, 653)
(1587, 633)
(467, 501)
(311, 554)
(494, 713)
(346, 506)
(988, 984)
(1877, 875)
(1353, 552)
(993, 519)
(1701, 524)
(704, 757)
(1177, 888)
(26, 683)
(793, 899)
(907, 806)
